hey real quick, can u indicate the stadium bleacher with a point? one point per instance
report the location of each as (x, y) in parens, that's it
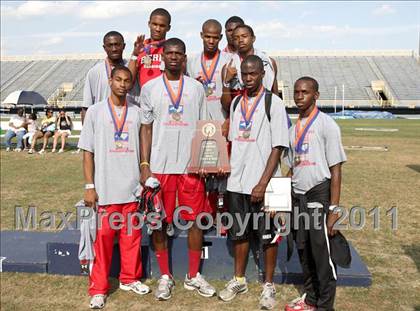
(397, 71)
(43, 76)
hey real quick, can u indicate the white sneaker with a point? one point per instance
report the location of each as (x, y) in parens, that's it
(18, 150)
(7, 149)
(52, 150)
(233, 287)
(61, 151)
(137, 287)
(199, 284)
(97, 301)
(164, 289)
(267, 298)
(170, 230)
(42, 151)
(31, 151)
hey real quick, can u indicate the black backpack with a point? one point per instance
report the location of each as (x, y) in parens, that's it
(267, 100)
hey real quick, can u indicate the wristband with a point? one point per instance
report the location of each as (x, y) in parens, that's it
(333, 208)
(226, 84)
(144, 163)
(133, 57)
(89, 186)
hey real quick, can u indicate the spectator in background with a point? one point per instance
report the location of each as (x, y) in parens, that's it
(32, 127)
(47, 131)
(63, 128)
(16, 128)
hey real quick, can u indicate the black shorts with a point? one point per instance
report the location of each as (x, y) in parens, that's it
(258, 223)
(45, 132)
(216, 184)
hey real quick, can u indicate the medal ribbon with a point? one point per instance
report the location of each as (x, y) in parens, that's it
(149, 44)
(209, 74)
(248, 113)
(175, 99)
(300, 133)
(118, 122)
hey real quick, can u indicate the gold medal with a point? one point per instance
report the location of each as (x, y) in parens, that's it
(209, 91)
(246, 134)
(147, 60)
(176, 116)
(297, 160)
(118, 145)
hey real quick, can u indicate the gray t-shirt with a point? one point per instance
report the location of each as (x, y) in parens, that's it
(249, 155)
(116, 167)
(322, 149)
(214, 106)
(171, 142)
(97, 88)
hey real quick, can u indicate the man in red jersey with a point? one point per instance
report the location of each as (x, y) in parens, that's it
(145, 62)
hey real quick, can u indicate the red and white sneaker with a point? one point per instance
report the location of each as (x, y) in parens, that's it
(299, 304)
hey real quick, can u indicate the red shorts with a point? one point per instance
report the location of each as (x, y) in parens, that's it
(191, 194)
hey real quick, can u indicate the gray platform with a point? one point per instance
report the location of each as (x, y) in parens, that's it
(56, 253)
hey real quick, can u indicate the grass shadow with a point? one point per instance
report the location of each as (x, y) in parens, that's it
(114, 285)
(300, 289)
(414, 252)
(414, 167)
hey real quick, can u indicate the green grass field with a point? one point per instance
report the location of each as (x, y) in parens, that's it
(370, 179)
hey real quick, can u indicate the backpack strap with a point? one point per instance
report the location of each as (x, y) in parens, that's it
(268, 98)
(236, 102)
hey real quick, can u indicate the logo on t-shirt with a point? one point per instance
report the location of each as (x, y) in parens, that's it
(304, 156)
(121, 141)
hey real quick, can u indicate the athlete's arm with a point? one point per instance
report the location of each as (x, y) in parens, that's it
(335, 189)
(146, 131)
(132, 64)
(226, 98)
(275, 88)
(273, 161)
(289, 173)
(83, 114)
(228, 73)
(91, 197)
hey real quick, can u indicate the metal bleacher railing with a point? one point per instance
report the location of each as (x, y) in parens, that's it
(338, 72)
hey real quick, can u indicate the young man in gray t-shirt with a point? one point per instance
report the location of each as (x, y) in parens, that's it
(314, 156)
(257, 144)
(96, 88)
(111, 163)
(171, 106)
(206, 68)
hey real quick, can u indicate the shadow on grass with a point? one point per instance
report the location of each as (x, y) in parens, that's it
(414, 252)
(300, 289)
(414, 167)
(114, 285)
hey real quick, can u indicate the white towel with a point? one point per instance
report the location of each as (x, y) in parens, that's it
(87, 232)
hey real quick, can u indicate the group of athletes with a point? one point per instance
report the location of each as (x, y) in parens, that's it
(139, 119)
